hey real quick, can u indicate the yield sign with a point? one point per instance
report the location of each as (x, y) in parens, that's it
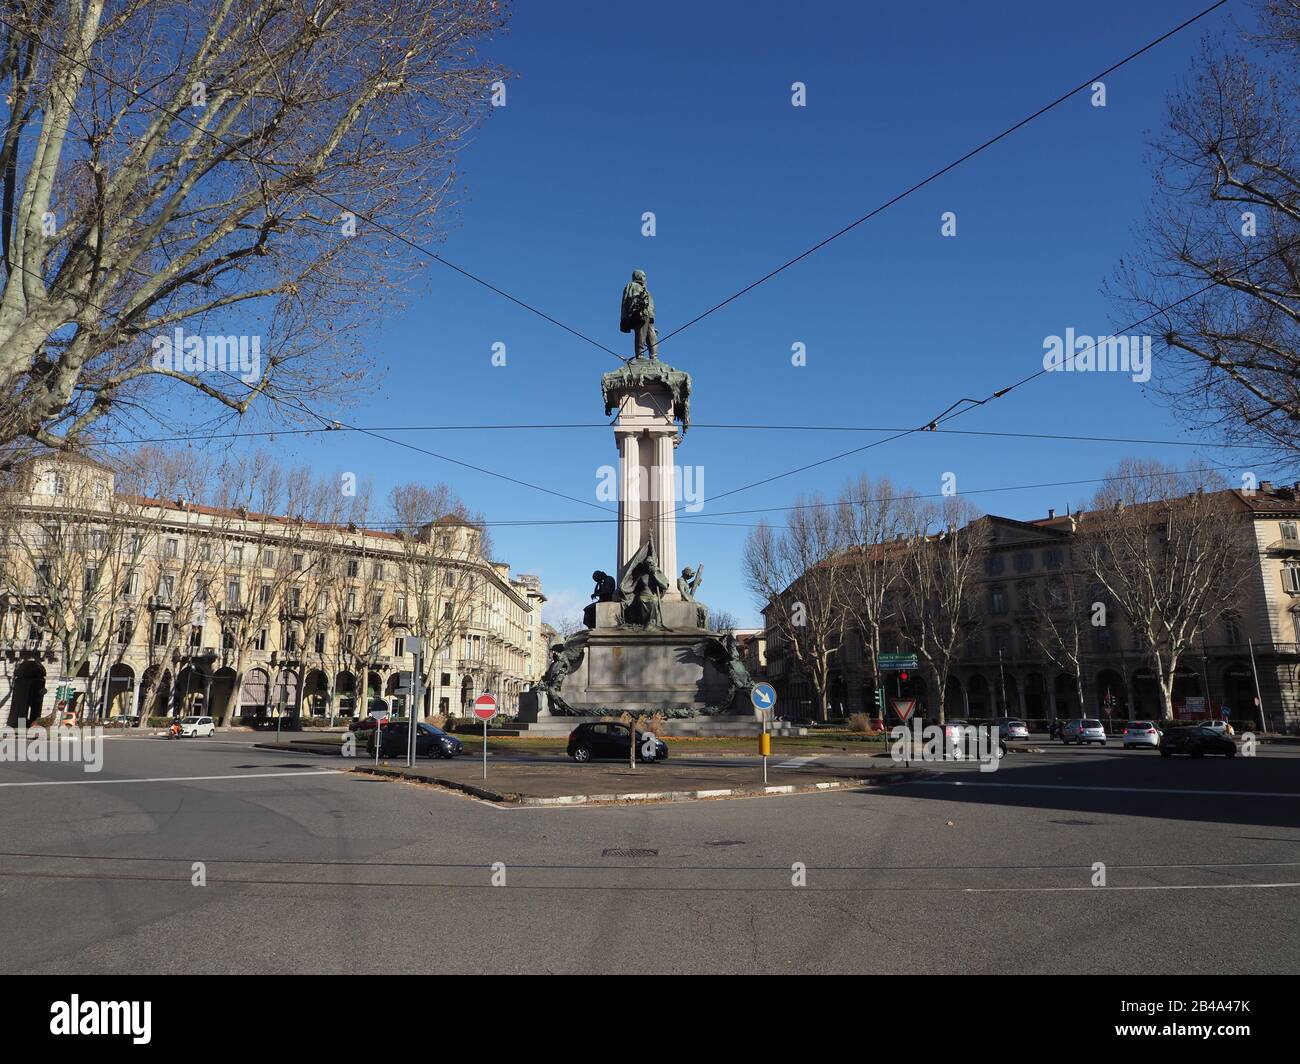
(903, 707)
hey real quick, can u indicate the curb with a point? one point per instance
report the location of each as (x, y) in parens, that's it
(643, 796)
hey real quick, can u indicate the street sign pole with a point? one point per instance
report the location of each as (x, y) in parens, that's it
(763, 696)
(415, 647)
(485, 708)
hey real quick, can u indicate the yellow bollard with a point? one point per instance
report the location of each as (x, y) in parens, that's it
(764, 744)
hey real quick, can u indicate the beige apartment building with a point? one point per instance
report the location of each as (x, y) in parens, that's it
(1003, 670)
(112, 606)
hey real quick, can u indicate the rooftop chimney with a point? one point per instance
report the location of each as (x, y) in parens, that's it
(1265, 485)
(1051, 514)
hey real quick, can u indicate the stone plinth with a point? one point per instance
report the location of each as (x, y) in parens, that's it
(677, 614)
(644, 670)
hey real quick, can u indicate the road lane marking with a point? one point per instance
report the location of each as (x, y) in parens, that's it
(1106, 890)
(796, 762)
(1118, 790)
(176, 779)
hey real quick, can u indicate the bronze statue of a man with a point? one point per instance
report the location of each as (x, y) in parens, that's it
(638, 316)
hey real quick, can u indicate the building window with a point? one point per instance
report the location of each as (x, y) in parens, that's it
(91, 577)
(295, 598)
(998, 601)
(379, 570)
(376, 605)
(234, 594)
(399, 647)
(1291, 578)
(1289, 532)
(993, 566)
(99, 489)
(353, 567)
(196, 635)
(290, 639)
(297, 563)
(161, 630)
(1052, 558)
(1102, 642)
(205, 552)
(352, 602)
(320, 642)
(236, 555)
(173, 548)
(227, 639)
(1232, 631)
(264, 594)
(166, 587)
(260, 642)
(401, 608)
(132, 583)
(88, 630)
(268, 558)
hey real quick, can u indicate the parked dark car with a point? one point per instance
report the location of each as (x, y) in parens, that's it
(1196, 742)
(429, 741)
(589, 741)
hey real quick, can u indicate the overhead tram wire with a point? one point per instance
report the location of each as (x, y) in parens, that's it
(385, 524)
(697, 425)
(278, 169)
(932, 177)
(329, 424)
(956, 409)
(945, 169)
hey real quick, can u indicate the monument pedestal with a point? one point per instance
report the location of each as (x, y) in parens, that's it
(644, 669)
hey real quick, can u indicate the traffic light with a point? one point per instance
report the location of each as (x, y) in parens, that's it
(902, 677)
(880, 701)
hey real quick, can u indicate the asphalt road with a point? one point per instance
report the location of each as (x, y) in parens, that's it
(309, 869)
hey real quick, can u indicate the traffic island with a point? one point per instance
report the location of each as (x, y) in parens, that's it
(561, 782)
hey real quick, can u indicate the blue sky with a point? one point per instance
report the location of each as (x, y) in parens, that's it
(684, 110)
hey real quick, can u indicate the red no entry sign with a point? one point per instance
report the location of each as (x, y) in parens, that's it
(485, 707)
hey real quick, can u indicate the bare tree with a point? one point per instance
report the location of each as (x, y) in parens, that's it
(1173, 551)
(880, 529)
(935, 603)
(795, 576)
(260, 553)
(1226, 218)
(1061, 620)
(208, 167)
(442, 569)
(722, 622)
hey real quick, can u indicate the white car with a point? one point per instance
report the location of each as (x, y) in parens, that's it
(197, 727)
(1141, 733)
(1220, 727)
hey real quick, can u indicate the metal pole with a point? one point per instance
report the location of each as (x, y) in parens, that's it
(485, 749)
(1259, 699)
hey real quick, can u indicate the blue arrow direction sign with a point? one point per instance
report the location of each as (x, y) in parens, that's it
(763, 695)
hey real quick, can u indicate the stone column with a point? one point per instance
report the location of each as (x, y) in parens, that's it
(665, 531)
(629, 499)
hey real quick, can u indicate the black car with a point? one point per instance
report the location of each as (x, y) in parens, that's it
(429, 741)
(588, 741)
(1196, 742)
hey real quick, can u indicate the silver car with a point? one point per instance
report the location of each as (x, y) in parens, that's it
(1141, 733)
(1083, 730)
(1013, 729)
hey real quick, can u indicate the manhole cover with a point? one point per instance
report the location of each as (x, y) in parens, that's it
(629, 853)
